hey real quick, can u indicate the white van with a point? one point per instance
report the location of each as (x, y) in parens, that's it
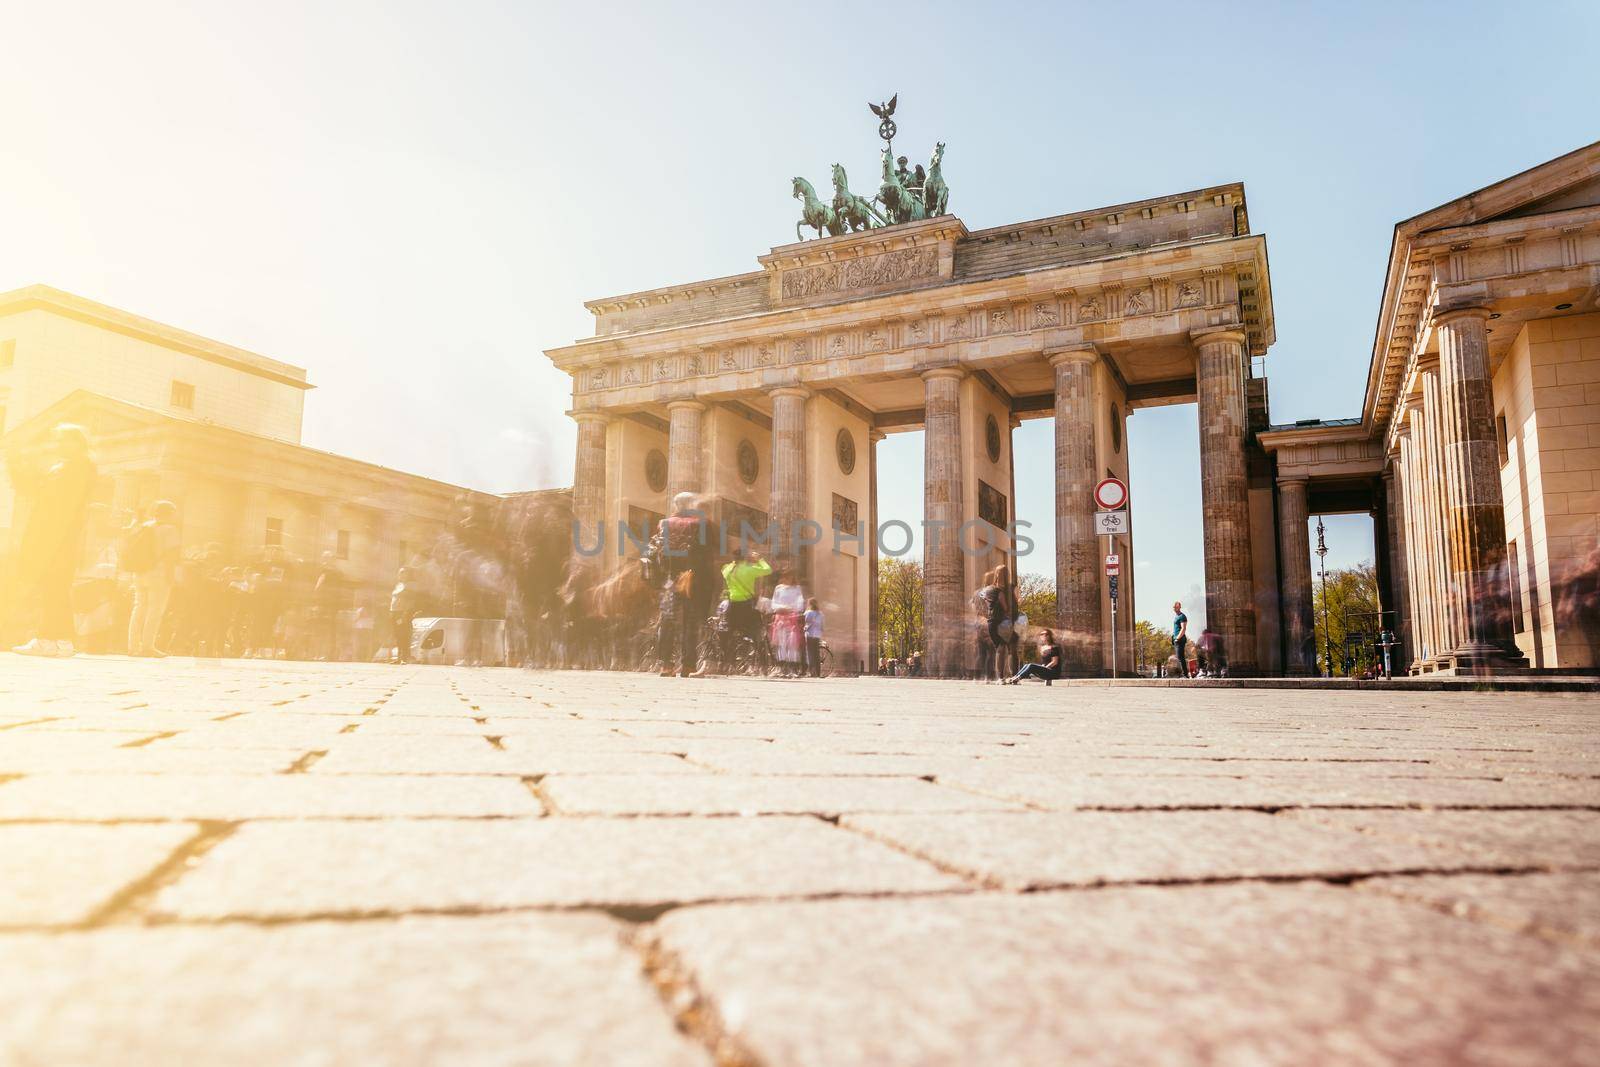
(481, 642)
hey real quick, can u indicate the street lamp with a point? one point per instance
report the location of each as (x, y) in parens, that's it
(1322, 568)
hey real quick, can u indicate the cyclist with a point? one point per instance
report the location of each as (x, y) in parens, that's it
(740, 575)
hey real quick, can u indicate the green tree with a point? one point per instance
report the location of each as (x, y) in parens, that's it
(1152, 645)
(1036, 597)
(899, 607)
(1351, 599)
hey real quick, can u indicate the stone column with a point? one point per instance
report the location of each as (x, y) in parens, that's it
(589, 485)
(788, 490)
(1477, 520)
(1419, 637)
(685, 454)
(1399, 577)
(1294, 550)
(873, 650)
(1077, 547)
(943, 599)
(1224, 495)
(1433, 473)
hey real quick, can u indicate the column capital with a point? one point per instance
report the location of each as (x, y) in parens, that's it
(686, 405)
(1445, 316)
(936, 373)
(1079, 353)
(875, 435)
(1217, 335)
(1298, 482)
(589, 416)
(799, 391)
(1427, 362)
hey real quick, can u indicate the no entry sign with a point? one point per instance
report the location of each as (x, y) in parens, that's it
(1111, 495)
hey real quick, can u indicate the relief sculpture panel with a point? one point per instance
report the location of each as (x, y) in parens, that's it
(869, 272)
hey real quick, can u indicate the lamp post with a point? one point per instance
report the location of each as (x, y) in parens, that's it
(1322, 569)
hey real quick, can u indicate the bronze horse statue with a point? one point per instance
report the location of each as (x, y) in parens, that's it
(814, 212)
(854, 211)
(935, 193)
(898, 201)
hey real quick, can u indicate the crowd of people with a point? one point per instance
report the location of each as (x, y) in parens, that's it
(783, 626)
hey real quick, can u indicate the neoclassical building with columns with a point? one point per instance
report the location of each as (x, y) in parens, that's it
(1478, 445)
(766, 393)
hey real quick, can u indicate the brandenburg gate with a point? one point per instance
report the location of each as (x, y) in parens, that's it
(766, 393)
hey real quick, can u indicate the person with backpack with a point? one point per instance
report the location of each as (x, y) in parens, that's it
(682, 555)
(150, 554)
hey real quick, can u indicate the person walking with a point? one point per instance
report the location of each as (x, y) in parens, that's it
(988, 603)
(813, 626)
(682, 551)
(403, 603)
(788, 638)
(1049, 665)
(150, 554)
(59, 496)
(1180, 637)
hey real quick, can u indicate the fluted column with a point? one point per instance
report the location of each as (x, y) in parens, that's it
(1077, 547)
(1294, 550)
(1399, 576)
(1419, 640)
(943, 599)
(1434, 472)
(1477, 520)
(685, 454)
(788, 493)
(589, 481)
(873, 650)
(1224, 495)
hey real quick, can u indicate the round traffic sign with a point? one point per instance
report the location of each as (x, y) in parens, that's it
(1111, 494)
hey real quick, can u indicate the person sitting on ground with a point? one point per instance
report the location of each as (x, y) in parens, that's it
(1049, 665)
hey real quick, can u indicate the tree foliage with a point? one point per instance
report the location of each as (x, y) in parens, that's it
(1152, 646)
(1036, 597)
(899, 607)
(1350, 596)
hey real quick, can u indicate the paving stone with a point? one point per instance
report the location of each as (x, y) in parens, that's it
(490, 990)
(443, 864)
(1560, 906)
(1028, 850)
(279, 796)
(62, 874)
(354, 754)
(1554, 839)
(1264, 791)
(1250, 973)
(145, 759)
(717, 794)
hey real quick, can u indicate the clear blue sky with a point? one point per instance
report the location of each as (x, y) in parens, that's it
(412, 200)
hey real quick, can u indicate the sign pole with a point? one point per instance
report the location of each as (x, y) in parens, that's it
(1111, 543)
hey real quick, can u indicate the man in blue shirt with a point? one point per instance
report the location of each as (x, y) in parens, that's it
(1180, 637)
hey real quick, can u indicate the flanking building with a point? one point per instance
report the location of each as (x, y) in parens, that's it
(211, 427)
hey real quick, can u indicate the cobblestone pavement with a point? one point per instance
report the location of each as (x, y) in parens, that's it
(328, 864)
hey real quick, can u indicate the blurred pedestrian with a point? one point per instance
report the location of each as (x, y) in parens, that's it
(813, 629)
(151, 553)
(58, 492)
(788, 635)
(403, 603)
(683, 553)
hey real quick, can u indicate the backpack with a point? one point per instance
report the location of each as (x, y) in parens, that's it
(140, 550)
